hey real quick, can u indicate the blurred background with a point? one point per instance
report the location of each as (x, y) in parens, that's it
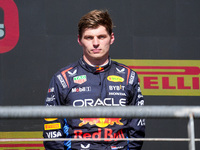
(39, 37)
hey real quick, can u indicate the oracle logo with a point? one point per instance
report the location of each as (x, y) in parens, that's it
(9, 25)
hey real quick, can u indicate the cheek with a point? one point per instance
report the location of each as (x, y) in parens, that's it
(85, 45)
(107, 45)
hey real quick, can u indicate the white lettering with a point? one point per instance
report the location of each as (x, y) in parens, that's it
(89, 102)
(49, 105)
(140, 95)
(132, 77)
(139, 90)
(122, 102)
(141, 122)
(60, 78)
(81, 89)
(99, 102)
(73, 90)
(141, 103)
(113, 103)
(51, 90)
(116, 88)
(49, 99)
(117, 93)
(107, 99)
(53, 134)
(77, 103)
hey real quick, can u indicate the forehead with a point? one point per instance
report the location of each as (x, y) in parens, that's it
(95, 31)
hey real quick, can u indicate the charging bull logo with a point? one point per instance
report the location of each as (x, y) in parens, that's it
(101, 132)
(100, 122)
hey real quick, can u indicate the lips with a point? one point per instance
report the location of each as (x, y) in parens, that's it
(96, 50)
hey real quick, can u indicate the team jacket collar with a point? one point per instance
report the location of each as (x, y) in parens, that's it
(95, 69)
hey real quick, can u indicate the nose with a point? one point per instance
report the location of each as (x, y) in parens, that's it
(95, 42)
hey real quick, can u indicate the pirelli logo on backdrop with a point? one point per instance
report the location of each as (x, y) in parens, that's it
(167, 77)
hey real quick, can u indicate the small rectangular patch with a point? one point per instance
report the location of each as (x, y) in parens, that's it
(52, 126)
(80, 79)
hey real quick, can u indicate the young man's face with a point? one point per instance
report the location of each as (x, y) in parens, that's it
(96, 44)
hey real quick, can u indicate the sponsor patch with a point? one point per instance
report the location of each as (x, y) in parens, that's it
(141, 122)
(114, 78)
(116, 88)
(54, 134)
(85, 147)
(52, 126)
(60, 78)
(140, 96)
(139, 89)
(122, 71)
(50, 99)
(141, 103)
(71, 74)
(50, 90)
(81, 89)
(117, 93)
(132, 77)
(116, 147)
(80, 79)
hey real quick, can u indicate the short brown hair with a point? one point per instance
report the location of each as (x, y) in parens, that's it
(93, 19)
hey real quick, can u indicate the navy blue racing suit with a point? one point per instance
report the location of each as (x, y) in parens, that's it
(82, 85)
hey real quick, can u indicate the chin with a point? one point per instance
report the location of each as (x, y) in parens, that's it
(100, 57)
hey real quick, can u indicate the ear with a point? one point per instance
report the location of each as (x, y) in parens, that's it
(79, 41)
(112, 38)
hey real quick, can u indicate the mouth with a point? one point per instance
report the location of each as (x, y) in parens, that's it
(96, 51)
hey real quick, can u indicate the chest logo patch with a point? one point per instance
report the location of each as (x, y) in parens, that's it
(80, 79)
(114, 78)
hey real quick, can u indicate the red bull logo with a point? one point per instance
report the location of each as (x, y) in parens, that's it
(100, 122)
(106, 133)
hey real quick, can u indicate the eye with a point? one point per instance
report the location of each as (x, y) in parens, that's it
(102, 36)
(88, 37)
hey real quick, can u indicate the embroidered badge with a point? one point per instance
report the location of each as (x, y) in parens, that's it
(80, 79)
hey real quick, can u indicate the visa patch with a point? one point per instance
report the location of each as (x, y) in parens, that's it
(80, 79)
(52, 126)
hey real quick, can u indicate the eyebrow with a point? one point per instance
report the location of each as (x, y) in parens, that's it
(88, 35)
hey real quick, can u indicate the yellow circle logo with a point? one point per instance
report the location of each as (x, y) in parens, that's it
(114, 78)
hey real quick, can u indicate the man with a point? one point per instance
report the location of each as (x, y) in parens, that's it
(92, 81)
